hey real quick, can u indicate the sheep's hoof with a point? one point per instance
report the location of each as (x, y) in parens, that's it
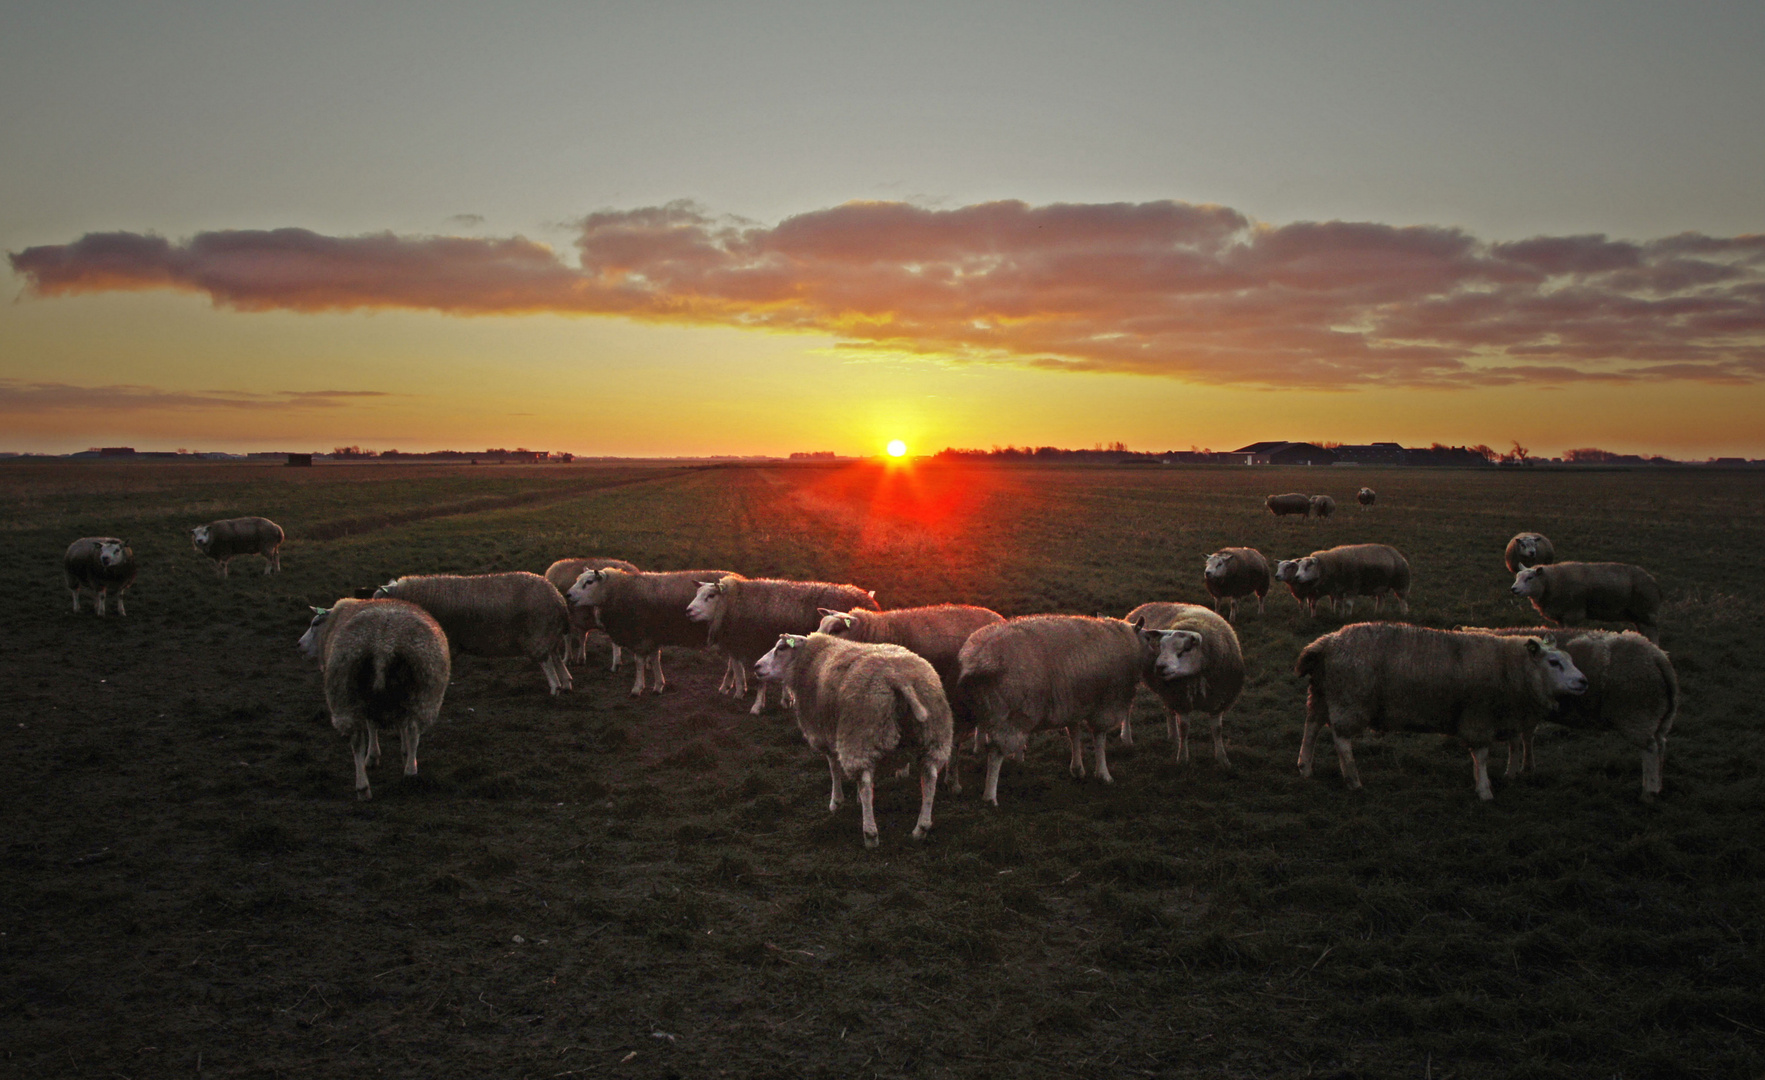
(637, 693)
(870, 840)
(1305, 770)
(364, 794)
(919, 832)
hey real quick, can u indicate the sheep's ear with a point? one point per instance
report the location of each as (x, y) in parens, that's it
(1534, 646)
(870, 593)
(824, 612)
(1139, 622)
(317, 610)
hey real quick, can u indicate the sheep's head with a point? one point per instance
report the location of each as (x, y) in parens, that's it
(590, 588)
(1307, 570)
(113, 553)
(1526, 545)
(1217, 564)
(1529, 582)
(199, 537)
(776, 665)
(309, 641)
(705, 601)
(837, 623)
(1285, 569)
(1560, 672)
(385, 590)
(1178, 652)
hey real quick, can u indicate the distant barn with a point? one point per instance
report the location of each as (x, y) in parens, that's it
(301, 461)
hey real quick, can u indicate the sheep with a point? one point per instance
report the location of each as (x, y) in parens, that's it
(1631, 688)
(1322, 506)
(1305, 593)
(1567, 592)
(510, 614)
(1398, 677)
(644, 611)
(1529, 549)
(563, 574)
(1193, 663)
(1350, 570)
(1049, 671)
(1366, 497)
(1236, 572)
(856, 702)
(227, 539)
(1290, 503)
(100, 565)
(744, 616)
(385, 662)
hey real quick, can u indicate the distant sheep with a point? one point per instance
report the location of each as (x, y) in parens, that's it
(1568, 592)
(386, 665)
(227, 539)
(1039, 672)
(100, 565)
(1529, 549)
(858, 702)
(563, 574)
(1289, 504)
(1193, 663)
(510, 614)
(1396, 677)
(1236, 572)
(745, 616)
(645, 611)
(1322, 506)
(1366, 497)
(1351, 570)
(1631, 688)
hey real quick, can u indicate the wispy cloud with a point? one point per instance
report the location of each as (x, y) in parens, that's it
(1196, 292)
(19, 396)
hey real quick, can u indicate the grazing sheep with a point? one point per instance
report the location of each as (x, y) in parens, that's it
(1305, 593)
(1529, 549)
(1567, 592)
(99, 565)
(563, 574)
(1396, 677)
(1631, 688)
(386, 664)
(1236, 572)
(745, 616)
(1291, 503)
(856, 703)
(1050, 671)
(227, 539)
(1322, 506)
(1351, 570)
(1193, 663)
(643, 612)
(1366, 497)
(511, 614)
(935, 633)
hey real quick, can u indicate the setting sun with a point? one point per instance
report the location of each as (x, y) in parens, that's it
(897, 448)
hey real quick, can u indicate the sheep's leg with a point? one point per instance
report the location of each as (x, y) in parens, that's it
(1259, 600)
(1307, 744)
(1345, 760)
(995, 758)
(1101, 742)
(1516, 755)
(1652, 756)
(1219, 740)
(275, 561)
(866, 796)
(1075, 740)
(1179, 729)
(839, 784)
(100, 601)
(643, 670)
(408, 734)
(1528, 762)
(76, 593)
(223, 565)
(952, 777)
(658, 681)
(1231, 604)
(1127, 731)
(738, 675)
(1480, 766)
(928, 791)
(359, 743)
(618, 653)
(373, 745)
(1403, 603)
(120, 610)
(759, 700)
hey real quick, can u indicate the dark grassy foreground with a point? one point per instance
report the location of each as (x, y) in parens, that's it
(593, 886)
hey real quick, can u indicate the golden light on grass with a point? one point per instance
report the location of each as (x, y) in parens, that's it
(897, 448)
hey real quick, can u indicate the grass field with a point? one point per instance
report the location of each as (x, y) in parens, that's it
(595, 886)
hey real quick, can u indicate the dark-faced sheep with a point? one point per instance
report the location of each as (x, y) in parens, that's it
(1366, 497)
(1193, 663)
(1322, 506)
(1567, 592)
(227, 539)
(1392, 677)
(1631, 689)
(745, 616)
(1039, 672)
(100, 565)
(1351, 570)
(645, 611)
(386, 665)
(1233, 573)
(1528, 549)
(563, 574)
(510, 614)
(1292, 503)
(858, 703)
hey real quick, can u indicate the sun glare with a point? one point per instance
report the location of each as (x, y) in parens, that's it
(897, 448)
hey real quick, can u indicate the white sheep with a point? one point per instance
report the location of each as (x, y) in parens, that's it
(1194, 665)
(563, 574)
(510, 614)
(744, 616)
(643, 612)
(99, 565)
(227, 539)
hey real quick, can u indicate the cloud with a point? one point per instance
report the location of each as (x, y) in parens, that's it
(1195, 292)
(18, 396)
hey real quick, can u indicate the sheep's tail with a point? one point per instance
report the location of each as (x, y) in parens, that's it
(927, 718)
(384, 679)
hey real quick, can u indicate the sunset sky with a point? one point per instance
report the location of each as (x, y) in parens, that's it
(694, 228)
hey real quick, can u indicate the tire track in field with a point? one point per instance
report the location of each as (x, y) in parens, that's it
(337, 528)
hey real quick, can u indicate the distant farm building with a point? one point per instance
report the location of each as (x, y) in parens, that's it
(1284, 453)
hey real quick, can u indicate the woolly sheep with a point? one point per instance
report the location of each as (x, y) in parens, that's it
(1350, 570)
(1396, 677)
(1528, 549)
(1193, 663)
(509, 614)
(1322, 506)
(227, 539)
(386, 664)
(1305, 593)
(100, 565)
(1291, 503)
(643, 611)
(1568, 592)
(1037, 672)
(1236, 572)
(857, 702)
(1366, 497)
(745, 616)
(563, 574)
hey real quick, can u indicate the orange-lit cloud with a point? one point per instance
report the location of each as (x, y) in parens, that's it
(19, 396)
(1167, 288)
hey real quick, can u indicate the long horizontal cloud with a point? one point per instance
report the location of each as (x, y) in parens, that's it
(1165, 288)
(20, 396)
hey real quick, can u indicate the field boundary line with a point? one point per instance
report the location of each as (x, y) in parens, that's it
(338, 528)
